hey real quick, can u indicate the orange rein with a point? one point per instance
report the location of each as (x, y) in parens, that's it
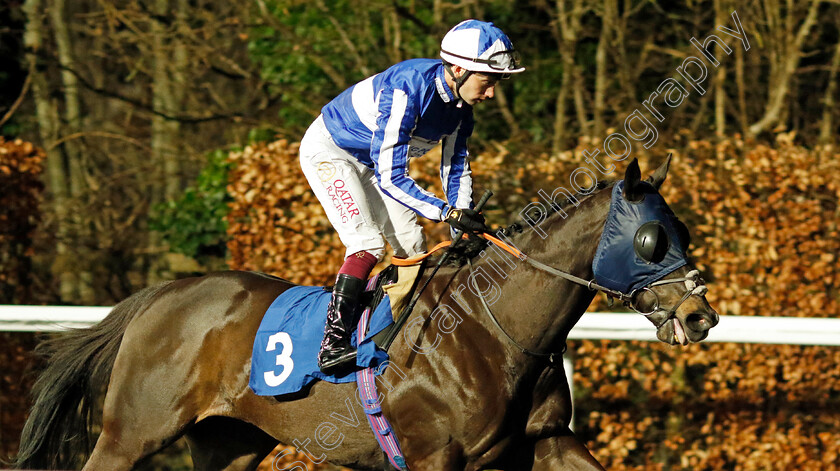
(404, 262)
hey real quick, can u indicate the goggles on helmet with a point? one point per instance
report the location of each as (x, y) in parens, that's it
(502, 61)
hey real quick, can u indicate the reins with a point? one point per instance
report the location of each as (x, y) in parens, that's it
(398, 323)
(551, 356)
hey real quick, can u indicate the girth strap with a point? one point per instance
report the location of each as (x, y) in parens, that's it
(380, 426)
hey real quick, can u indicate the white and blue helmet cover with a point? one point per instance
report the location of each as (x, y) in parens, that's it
(480, 46)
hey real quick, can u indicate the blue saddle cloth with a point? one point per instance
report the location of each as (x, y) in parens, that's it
(285, 355)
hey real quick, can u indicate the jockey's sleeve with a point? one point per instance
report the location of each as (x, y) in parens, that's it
(455, 174)
(399, 108)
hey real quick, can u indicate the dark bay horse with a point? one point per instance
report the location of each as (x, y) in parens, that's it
(459, 392)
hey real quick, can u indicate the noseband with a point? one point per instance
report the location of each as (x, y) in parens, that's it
(694, 286)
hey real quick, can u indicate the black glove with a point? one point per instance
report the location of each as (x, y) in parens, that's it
(467, 220)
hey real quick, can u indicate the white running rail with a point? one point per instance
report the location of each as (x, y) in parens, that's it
(593, 325)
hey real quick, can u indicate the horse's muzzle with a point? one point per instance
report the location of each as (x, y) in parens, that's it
(691, 328)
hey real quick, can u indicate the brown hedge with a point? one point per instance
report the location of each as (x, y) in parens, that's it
(764, 221)
(276, 224)
(20, 191)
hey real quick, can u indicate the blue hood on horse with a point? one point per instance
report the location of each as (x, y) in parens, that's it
(641, 243)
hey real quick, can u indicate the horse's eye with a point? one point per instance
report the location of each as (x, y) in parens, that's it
(651, 242)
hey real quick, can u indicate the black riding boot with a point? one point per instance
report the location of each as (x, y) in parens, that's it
(336, 348)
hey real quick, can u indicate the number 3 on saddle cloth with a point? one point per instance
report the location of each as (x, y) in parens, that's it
(285, 354)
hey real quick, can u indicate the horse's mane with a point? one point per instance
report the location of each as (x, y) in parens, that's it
(469, 248)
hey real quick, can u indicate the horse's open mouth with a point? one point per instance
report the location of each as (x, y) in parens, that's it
(679, 333)
(673, 332)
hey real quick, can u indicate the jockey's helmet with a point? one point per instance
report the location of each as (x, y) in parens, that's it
(480, 46)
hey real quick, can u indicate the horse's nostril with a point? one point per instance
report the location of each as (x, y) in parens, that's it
(698, 322)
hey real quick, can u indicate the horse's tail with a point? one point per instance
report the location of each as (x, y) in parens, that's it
(79, 364)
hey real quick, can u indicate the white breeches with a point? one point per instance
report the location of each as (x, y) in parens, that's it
(364, 217)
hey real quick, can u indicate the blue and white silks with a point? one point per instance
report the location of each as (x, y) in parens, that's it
(402, 113)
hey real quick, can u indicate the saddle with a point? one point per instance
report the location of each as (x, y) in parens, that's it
(284, 357)
(399, 284)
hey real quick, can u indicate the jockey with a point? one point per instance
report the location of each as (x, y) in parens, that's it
(355, 156)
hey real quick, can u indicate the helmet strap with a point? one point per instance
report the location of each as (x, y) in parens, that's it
(459, 81)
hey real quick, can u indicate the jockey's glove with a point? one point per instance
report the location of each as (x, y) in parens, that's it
(467, 220)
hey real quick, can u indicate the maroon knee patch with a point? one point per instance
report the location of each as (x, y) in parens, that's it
(359, 265)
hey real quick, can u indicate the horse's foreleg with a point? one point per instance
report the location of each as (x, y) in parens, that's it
(555, 446)
(224, 444)
(563, 452)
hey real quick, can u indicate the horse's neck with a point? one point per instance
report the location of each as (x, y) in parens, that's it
(538, 309)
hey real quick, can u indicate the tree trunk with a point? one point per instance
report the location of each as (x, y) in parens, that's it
(565, 28)
(46, 111)
(786, 65)
(504, 108)
(72, 125)
(580, 102)
(610, 8)
(558, 137)
(626, 67)
(164, 130)
(437, 12)
(743, 119)
(178, 84)
(720, 79)
(826, 125)
(393, 35)
(71, 94)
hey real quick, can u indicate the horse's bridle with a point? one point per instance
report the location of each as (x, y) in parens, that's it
(694, 284)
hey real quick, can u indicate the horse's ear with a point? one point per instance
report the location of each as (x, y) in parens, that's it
(659, 175)
(632, 180)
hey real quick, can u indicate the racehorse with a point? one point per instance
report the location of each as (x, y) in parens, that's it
(473, 386)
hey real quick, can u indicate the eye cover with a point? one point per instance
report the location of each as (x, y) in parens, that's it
(651, 242)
